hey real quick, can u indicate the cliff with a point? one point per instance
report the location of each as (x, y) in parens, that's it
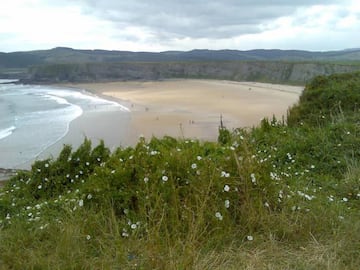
(264, 71)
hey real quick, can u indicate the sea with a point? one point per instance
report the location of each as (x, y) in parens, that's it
(32, 118)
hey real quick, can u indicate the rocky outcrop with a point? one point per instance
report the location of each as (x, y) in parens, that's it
(265, 71)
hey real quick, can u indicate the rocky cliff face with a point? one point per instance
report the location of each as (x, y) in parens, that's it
(265, 71)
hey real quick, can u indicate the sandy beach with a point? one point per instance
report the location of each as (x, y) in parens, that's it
(178, 108)
(192, 108)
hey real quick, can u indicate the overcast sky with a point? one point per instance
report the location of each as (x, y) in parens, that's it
(160, 25)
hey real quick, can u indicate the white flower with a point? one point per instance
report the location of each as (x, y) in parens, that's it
(225, 174)
(113, 171)
(47, 165)
(165, 178)
(266, 204)
(218, 216)
(40, 186)
(253, 178)
(193, 166)
(81, 203)
(146, 179)
(87, 163)
(274, 176)
(88, 237)
(199, 158)
(133, 226)
(345, 199)
(89, 197)
(249, 237)
(227, 203)
(226, 188)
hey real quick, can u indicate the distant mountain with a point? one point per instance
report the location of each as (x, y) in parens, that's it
(69, 55)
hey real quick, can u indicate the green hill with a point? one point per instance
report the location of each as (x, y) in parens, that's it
(69, 55)
(277, 196)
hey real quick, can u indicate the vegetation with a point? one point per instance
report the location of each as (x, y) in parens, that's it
(69, 55)
(259, 71)
(278, 196)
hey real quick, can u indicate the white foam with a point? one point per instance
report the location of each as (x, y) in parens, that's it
(89, 98)
(6, 132)
(8, 80)
(59, 100)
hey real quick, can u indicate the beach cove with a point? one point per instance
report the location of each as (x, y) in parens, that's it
(179, 108)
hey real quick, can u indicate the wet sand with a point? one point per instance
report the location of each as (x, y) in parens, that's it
(109, 126)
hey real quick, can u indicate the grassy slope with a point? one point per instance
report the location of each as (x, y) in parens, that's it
(274, 197)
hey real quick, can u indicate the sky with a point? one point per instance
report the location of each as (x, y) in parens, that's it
(166, 25)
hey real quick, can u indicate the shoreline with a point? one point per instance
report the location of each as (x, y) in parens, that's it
(181, 108)
(82, 127)
(97, 121)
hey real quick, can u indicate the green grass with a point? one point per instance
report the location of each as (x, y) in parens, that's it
(278, 196)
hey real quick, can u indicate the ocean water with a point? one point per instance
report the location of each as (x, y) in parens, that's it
(32, 118)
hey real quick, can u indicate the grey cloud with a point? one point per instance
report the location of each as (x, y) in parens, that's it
(195, 19)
